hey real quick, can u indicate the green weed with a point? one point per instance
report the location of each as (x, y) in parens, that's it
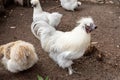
(41, 78)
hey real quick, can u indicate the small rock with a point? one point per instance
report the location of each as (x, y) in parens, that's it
(94, 43)
(119, 17)
(99, 55)
(21, 14)
(118, 46)
(12, 27)
(110, 12)
(111, 2)
(11, 10)
(116, 64)
(5, 16)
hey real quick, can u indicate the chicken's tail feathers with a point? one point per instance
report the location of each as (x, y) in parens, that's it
(55, 18)
(41, 28)
(34, 30)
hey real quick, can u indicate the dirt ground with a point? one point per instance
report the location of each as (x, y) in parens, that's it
(102, 64)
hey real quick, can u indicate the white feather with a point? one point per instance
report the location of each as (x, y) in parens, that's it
(52, 19)
(70, 4)
(63, 46)
(18, 56)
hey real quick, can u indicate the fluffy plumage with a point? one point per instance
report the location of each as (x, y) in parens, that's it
(18, 56)
(52, 19)
(63, 47)
(70, 4)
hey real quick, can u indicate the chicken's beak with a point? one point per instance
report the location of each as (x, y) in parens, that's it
(90, 28)
(93, 26)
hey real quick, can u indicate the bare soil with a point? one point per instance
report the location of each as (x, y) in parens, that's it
(103, 63)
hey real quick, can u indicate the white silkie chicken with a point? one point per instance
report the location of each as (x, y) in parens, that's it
(63, 47)
(18, 56)
(70, 4)
(52, 19)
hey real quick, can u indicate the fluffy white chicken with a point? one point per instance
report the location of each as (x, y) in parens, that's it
(52, 19)
(63, 47)
(70, 4)
(18, 56)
